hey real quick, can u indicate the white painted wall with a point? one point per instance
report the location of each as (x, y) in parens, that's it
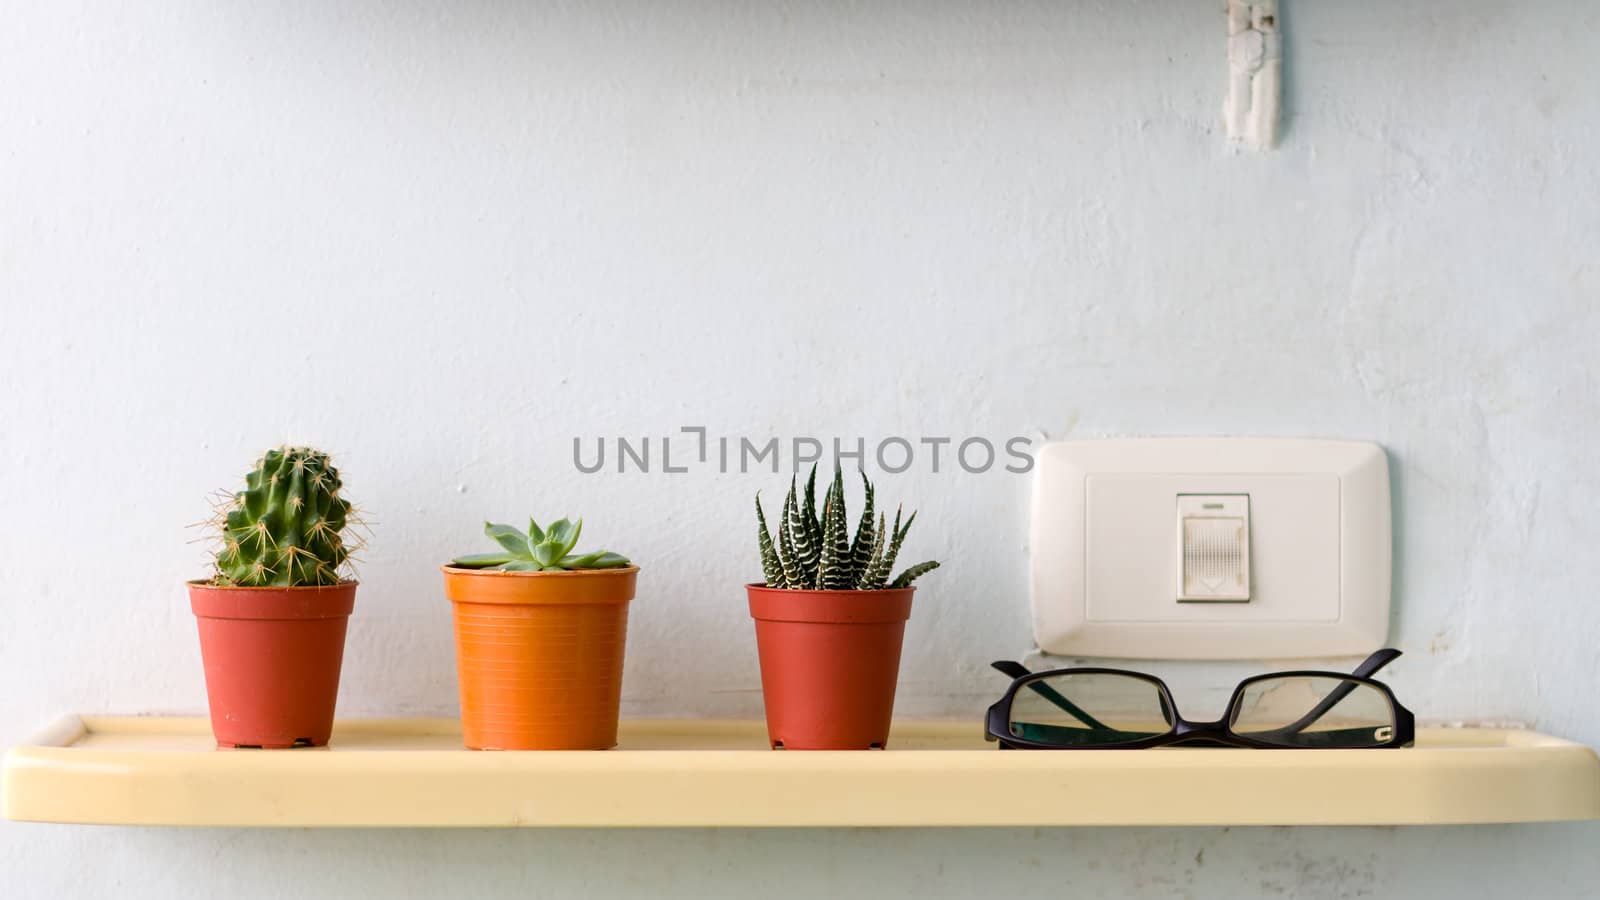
(444, 238)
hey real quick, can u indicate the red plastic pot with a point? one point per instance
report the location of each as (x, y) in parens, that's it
(829, 661)
(272, 658)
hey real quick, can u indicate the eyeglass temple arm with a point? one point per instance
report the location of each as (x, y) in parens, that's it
(1370, 666)
(1367, 669)
(1018, 670)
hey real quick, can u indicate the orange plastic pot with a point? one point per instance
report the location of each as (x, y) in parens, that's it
(829, 661)
(539, 656)
(272, 658)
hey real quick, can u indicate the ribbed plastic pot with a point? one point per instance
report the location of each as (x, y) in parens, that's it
(829, 662)
(539, 656)
(272, 657)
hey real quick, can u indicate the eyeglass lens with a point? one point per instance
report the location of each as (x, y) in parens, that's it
(1313, 711)
(1089, 709)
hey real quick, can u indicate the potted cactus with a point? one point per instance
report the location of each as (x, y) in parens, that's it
(540, 633)
(272, 615)
(830, 620)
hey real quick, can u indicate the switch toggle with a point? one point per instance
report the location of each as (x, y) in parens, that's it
(1213, 548)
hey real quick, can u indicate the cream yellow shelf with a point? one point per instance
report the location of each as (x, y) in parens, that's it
(411, 772)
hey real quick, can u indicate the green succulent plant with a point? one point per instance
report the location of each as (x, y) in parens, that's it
(288, 527)
(539, 550)
(816, 552)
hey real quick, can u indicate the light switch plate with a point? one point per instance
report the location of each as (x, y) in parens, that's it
(1107, 565)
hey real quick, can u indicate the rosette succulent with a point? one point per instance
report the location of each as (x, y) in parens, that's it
(539, 550)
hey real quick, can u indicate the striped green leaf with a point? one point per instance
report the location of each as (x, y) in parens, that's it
(912, 573)
(770, 567)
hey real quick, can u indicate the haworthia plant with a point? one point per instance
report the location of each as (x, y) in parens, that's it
(288, 527)
(815, 551)
(539, 550)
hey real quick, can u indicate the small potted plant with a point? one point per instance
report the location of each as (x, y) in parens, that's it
(830, 620)
(272, 616)
(540, 634)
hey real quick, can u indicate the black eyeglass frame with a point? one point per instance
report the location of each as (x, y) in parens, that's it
(1183, 731)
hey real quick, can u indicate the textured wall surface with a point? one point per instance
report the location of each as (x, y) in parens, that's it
(443, 239)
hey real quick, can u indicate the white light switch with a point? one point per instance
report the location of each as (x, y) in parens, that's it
(1213, 548)
(1284, 543)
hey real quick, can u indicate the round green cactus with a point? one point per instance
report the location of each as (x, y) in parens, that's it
(286, 528)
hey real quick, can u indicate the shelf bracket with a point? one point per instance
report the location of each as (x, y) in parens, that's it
(1255, 68)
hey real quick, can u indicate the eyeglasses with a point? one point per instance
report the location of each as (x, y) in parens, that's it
(1113, 709)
